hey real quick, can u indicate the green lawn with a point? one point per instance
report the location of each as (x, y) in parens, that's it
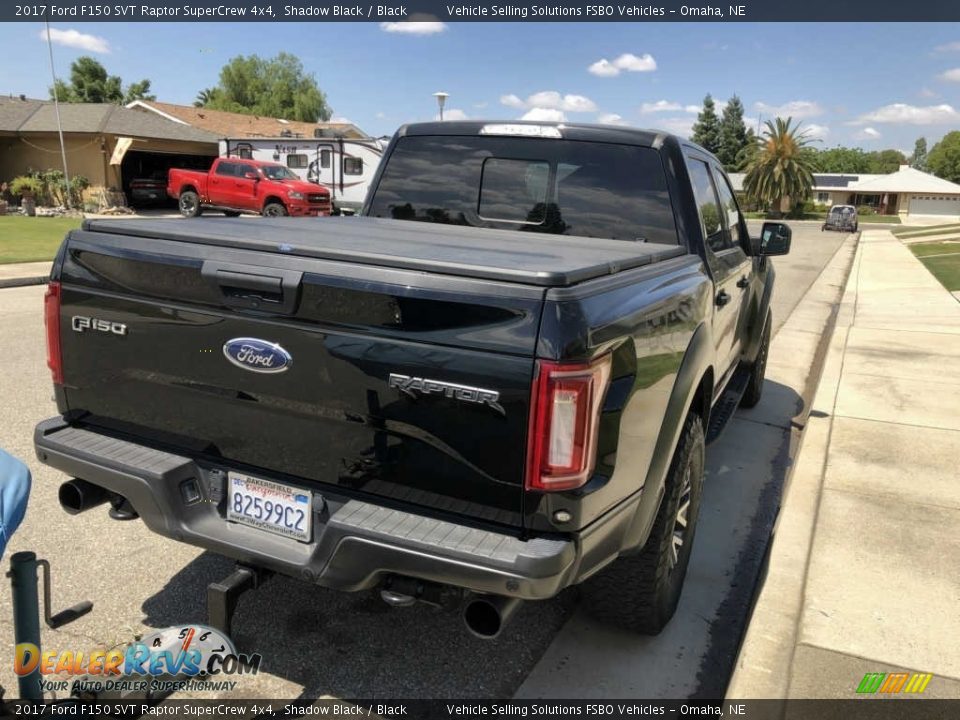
(28, 239)
(886, 219)
(943, 260)
(924, 230)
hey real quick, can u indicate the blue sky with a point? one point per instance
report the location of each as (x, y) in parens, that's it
(869, 85)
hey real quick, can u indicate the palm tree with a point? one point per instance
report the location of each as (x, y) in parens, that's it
(205, 97)
(781, 164)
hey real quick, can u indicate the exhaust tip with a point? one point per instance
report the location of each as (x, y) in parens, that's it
(76, 496)
(483, 619)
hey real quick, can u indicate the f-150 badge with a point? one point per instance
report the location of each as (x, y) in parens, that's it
(416, 386)
(255, 355)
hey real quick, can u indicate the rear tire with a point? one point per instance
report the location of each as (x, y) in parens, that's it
(751, 396)
(274, 209)
(189, 204)
(640, 592)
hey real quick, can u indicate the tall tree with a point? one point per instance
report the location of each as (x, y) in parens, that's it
(782, 166)
(944, 158)
(883, 162)
(918, 160)
(733, 135)
(276, 87)
(843, 160)
(706, 130)
(90, 83)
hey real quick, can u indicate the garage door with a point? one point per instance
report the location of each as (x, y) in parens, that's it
(935, 205)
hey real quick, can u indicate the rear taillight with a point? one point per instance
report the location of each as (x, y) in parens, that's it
(565, 418)
(51, 318)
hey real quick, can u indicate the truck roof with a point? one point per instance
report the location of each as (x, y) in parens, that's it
(569, 131)
(504, 255)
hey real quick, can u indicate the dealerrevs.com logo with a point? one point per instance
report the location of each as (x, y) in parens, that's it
(188, 657)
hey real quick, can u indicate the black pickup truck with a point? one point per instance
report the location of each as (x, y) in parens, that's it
(497, 384)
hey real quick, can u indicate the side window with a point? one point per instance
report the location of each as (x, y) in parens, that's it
(297, 161)
(729, 203)
(325, 158)
(226, 169)
(352, 166)
(243, 169)
(708, 205)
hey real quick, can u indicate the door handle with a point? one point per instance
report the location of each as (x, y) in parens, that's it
(722, 298)
(743, 282)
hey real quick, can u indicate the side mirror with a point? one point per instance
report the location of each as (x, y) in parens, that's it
(251, 176)
(775, 239)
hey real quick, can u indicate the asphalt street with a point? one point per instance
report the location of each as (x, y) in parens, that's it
(317, 642)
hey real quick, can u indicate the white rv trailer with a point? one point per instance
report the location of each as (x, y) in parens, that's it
(345, 166)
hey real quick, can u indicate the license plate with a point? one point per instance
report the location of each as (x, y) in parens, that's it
(270, 506)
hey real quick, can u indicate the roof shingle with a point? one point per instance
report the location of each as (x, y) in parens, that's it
(238, 125)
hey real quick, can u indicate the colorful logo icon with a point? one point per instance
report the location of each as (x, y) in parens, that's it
(892, 683)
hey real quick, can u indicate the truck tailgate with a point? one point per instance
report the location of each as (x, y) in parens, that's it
(153, 337)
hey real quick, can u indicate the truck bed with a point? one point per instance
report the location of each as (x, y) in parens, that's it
(510, 256)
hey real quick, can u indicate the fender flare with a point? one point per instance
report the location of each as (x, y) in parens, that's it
(696, 366)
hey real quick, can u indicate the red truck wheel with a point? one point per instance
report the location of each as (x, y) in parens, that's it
(274, 209)
(189, 204)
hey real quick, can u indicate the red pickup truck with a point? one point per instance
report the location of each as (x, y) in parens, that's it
(236, 185)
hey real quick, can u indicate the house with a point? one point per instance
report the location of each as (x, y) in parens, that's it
(905, 192)
(237, 125)
(107, 144)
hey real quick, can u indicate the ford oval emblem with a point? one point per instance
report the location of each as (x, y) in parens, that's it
(255, 355)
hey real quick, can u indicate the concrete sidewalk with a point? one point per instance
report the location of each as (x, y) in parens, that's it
(864, 570)
(18, 274)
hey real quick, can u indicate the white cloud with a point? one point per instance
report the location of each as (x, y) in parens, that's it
(797, 109)
(544, 114)
(381, 115)
(814, 131)
(927, 93)
(452, 114)
(76, 39)
(667, 106)
(481, 105)
(341, 119)
(951, 75)
(868, 133)
(948, 47)
(682, 126)
(413, 27)
(910, 115)
(611, 119)
(550, 99)
(628, 62)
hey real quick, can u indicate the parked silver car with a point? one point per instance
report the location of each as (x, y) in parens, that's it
(842, 218)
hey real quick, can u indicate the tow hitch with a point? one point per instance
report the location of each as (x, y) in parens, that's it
(222, 596)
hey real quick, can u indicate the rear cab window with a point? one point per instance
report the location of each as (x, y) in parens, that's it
(562, 187)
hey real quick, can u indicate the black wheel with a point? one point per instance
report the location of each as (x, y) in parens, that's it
(751, 395)
(189, 204)
(232, 213)
(640, 592)
(274, 209)
(856, 227)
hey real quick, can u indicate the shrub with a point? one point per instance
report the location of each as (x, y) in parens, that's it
(866, 210)
(26, 185)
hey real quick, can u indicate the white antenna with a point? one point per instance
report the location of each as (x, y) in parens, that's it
(56, 107)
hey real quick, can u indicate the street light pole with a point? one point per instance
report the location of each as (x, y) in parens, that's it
(441, 99)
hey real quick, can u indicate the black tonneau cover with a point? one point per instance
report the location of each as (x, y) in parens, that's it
(505, 255)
